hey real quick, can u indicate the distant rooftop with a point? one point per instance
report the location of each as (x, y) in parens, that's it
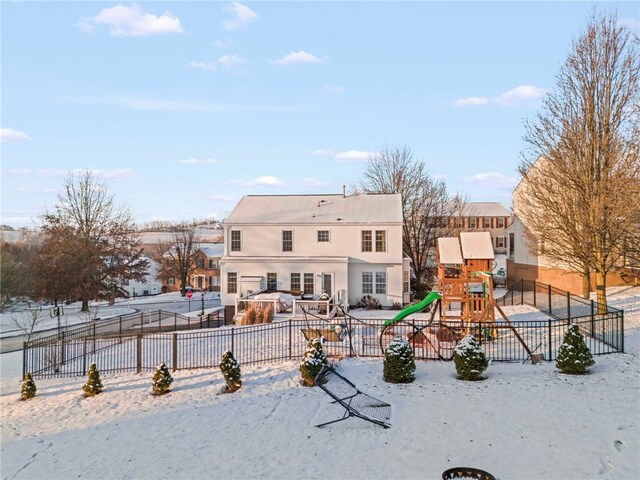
(485, 209)
(317, 209)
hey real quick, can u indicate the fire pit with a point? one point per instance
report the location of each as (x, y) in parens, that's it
(466, 472)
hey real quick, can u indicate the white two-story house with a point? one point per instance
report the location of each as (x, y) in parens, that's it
(346, 246)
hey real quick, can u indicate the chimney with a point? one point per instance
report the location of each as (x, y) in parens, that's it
(344, 190)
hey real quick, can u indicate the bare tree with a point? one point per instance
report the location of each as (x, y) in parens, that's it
(581, 165)
(427, 206)
(27, 323)
(178, 259)
(96, 243)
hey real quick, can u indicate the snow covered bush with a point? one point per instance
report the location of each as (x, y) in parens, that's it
(28, 387)
(369, 303)
(231, 372)
(312, 362)
(162, 380)
(469, 358)
(574, 355)
(93, 385)
(399, 364)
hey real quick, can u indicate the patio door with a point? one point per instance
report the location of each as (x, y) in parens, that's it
(327, 283)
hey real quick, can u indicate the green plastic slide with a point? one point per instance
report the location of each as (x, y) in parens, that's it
(418, 307)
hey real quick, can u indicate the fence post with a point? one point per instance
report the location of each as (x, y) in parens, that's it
(550, 341)
(522, 293)
(84, 356)
(232, 338)
(549, 290)
(568, 304)
(94, 337)
(62, 352)
(620, 315)
(141, 321)
(139, 353)
(480, 332)
(175, 320)
(175, 351)
(120, 326)
(593, 318)
(290, 340)
(24, 359)
(534, 294)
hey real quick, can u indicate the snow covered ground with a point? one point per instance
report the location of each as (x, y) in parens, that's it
(524, 422)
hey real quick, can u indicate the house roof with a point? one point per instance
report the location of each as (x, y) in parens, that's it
(485, 209)
(449, 251)
(317, 209)
(476, 245)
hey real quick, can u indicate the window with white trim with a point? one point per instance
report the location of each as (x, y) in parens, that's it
(500, 242)
(472, 222)
(367, 282)
(367, 242)
(381, 240)
(323, 236)
(287, 240)
(487, 222)
(232, 282)
(172, 281)
(500, 222)
(236, 241)
(308, 283)
(272, 281)
(381, 282)
(295, 281)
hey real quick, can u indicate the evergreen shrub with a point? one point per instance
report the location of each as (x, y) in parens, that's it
(231, 372)
(28, 389)
(399, 363)
(94, 385)
(162, 380)
(470, 359)
(574, 356)
(312, 362)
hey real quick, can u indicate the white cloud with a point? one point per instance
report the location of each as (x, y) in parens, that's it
(354, 156)
(112, 174)
(221, 44)
(8, 135)
(20, 171)
(320, 152)
(20, 189)
(521, 93)
(510, 98)
(198, 161)
(631, 23)
(333, 88)
(470, 101)
(202, 65)
(242, 16)
(314, 182)
(493, 180)
(125, 21)
(297, 57)
(264, 181)
(231, 61)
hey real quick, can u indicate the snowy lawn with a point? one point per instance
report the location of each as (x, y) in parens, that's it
(523, 422)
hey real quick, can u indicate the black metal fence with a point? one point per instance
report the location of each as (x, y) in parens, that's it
(140, 348)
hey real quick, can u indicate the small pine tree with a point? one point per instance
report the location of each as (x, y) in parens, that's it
(312, 362)
(231, 372)
(28, 387)
(93, 385)
(399, 363)
(574, 355)
(162, 380)
(469, 358)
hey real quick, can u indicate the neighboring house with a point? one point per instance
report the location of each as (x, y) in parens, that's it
(345, 246)
(205, 274)
(526, 259)
(149, 286)
(489, 217)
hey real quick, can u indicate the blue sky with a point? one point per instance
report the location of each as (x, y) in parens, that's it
(183, 107)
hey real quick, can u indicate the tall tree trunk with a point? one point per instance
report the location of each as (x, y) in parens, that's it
(586, 282)
(601, 289)
(85, 305)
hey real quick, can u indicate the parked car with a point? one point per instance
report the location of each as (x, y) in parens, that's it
(500, 278)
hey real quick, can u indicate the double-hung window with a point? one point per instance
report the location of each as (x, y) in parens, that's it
(232, 282)
(367, 245)
(236, 241)
(381, 240)
(308, 283)
(381, 282)
(287, 240)
(487, 222)
(272, 281)
(295, 281)
(367, 282)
